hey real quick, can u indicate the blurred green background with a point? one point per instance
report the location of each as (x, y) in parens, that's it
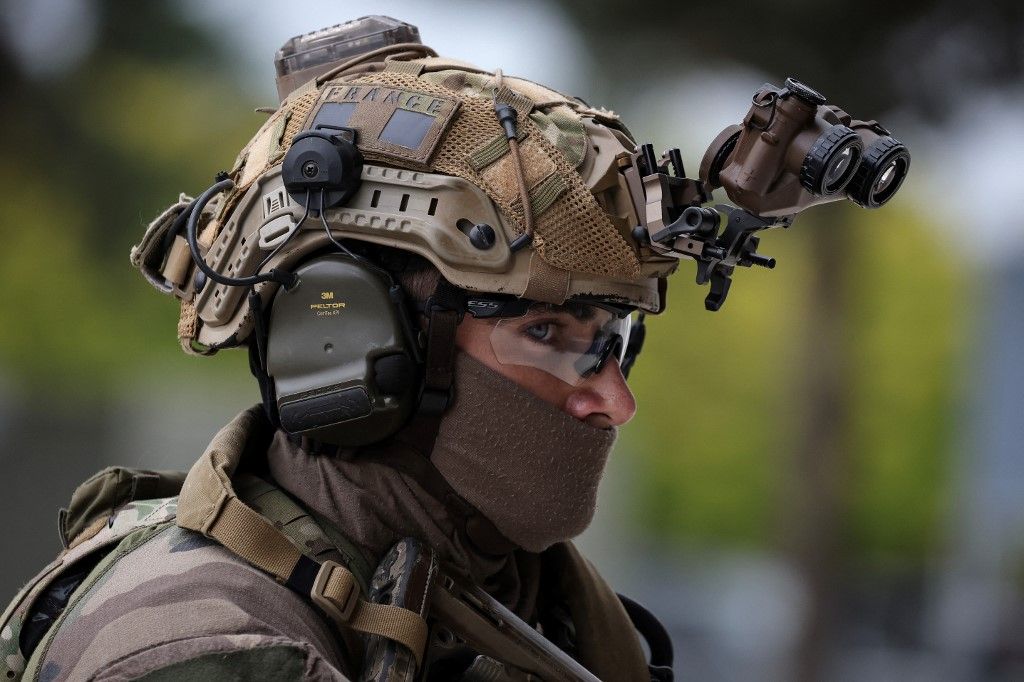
(823, 479)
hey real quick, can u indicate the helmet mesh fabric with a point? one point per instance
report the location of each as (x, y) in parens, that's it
(299, 111)
(574, 233)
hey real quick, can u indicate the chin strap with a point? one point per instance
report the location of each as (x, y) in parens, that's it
(444, 311)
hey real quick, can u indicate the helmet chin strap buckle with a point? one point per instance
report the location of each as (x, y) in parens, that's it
(445, 309)
(433, 402)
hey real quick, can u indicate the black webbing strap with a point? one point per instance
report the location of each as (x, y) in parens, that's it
(258, 357)
(303, 576)
(444, 310)
(439, 370)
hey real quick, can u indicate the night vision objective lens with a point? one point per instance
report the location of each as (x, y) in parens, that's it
(831, 162)
(838, 168)
(881, 173)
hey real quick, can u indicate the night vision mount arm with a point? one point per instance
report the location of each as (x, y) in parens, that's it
(791, 152)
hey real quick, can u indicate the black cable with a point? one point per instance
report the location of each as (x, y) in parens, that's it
(286, 278)
(384, 272)
(327, 229)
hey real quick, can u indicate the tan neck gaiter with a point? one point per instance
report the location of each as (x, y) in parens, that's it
(529, 467)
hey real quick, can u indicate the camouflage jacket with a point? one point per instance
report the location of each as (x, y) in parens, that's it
(162, 602)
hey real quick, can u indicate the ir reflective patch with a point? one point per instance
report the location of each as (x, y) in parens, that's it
(407, 128)
(333, 115)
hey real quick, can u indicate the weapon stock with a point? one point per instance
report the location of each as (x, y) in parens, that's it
(468, 627)
(515, 649)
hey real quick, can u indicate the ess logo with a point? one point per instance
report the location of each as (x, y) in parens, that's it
(482, 306)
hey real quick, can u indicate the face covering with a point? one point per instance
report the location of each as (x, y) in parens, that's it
(530, 468)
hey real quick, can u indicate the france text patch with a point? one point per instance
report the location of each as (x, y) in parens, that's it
(393, 122)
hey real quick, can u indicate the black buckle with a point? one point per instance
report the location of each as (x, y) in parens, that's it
(446, 296)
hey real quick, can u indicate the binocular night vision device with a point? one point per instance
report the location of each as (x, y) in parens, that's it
(791, 152)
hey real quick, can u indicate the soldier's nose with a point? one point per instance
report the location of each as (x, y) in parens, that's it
(602, 400)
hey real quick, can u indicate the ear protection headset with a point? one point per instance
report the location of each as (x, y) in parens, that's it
(341, 360)
(338, 360)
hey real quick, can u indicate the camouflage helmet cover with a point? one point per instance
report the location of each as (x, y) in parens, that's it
(436, 164)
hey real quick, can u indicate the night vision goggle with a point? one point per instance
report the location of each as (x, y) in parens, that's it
(792, 151)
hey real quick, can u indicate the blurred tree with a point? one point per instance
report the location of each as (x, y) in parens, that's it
(90, 155)
(90, 152)
(919, 56)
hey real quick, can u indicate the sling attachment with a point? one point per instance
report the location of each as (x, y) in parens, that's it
(658, 641)
(208, 505)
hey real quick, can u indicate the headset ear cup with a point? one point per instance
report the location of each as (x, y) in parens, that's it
(320, 162)
(338, 355)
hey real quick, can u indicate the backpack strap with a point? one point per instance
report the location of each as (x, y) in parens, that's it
(313, 535)
(209, 505)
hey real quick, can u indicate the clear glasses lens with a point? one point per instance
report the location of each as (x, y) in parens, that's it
(569, 342)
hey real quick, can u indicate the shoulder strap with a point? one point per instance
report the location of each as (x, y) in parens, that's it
(209, 505)
(314, 537)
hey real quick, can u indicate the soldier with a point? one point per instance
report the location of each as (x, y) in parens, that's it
(441, 275)
(432, 268)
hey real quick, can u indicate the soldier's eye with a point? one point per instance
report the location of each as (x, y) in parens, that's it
(541, 332)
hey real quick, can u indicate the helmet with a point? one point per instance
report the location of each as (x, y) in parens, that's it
(511, 190)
